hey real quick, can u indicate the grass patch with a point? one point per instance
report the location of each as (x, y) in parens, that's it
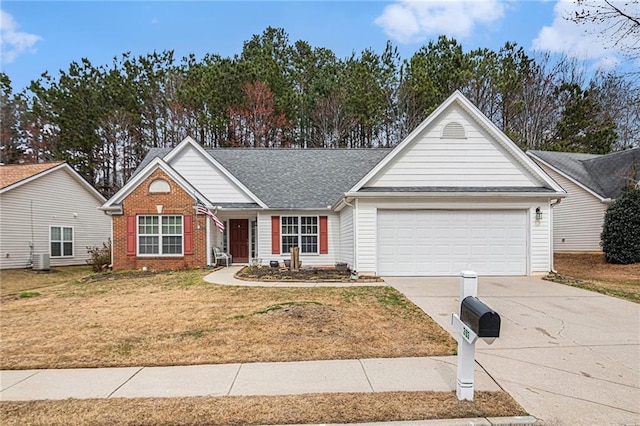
(632, 295)
(296, 409)
(125, 346)
(591, 272)
(27, 294)
(284, 305)
(175, 318)
(15, 281)
(196, 333)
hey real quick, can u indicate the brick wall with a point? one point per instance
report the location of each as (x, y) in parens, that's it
(142, 202)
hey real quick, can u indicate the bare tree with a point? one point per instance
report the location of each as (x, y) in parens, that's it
(620, 99)
(617, 20)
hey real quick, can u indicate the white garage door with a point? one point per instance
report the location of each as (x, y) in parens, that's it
(445, 242)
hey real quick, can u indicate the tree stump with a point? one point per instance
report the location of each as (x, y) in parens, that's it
(295, 258)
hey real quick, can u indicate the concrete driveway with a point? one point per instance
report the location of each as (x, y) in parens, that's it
(568, 356)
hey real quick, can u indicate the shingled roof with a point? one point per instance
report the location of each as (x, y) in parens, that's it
(14, 173)
(605, 175)
(293, 178)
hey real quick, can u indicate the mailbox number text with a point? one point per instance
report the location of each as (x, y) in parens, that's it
(465, 332)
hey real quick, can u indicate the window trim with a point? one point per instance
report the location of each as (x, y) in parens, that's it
(62, 241)
(159, 186)
(159, 235)
(253, 238)
(300, 234)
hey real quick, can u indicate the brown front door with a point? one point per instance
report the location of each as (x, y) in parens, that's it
(239, 240)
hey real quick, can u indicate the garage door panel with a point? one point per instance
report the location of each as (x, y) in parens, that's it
(439, 242)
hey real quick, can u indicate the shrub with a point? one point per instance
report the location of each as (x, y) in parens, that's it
(100, 256)
(620, 238)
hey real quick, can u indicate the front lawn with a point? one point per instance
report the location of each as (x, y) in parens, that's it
(16, 281)
(175, 318)
(590, 271)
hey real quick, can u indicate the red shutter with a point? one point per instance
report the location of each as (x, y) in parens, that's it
(131, 235)
(275, 234)
(324, 235)
(188, 234)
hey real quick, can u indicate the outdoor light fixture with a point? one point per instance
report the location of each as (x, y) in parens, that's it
(538, 213)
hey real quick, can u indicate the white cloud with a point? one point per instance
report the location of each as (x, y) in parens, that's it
(592, 40)
(12, 41)
(412, 21)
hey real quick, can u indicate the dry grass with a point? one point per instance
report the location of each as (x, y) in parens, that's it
(15, 281)
(592, 272)
(298, 409)
(134, 318)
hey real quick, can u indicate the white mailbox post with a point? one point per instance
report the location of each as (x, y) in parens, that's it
(475, 320)
(467, 339)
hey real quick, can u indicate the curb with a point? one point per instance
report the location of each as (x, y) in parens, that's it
(476, 421)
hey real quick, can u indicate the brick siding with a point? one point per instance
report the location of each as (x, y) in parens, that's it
(141, 202)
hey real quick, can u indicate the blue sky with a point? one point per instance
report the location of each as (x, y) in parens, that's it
(47, 36)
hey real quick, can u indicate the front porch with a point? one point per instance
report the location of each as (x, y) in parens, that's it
(238, 240)
(257, 237)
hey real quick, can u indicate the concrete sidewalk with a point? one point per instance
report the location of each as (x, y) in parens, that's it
(279, 378)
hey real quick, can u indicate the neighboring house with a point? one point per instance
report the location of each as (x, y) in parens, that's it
(592, 182)
(48, 209)
(455, 195)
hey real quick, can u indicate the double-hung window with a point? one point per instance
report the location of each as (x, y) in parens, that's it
(299, 231)
(160, 235)
(61, 241)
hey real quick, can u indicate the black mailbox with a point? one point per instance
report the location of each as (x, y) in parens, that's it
(480, 318)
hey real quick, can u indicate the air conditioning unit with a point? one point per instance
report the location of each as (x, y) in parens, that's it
(41, 262)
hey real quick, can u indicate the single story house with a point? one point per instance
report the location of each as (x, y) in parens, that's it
(455, 194)
(48, 209)
(592, 183)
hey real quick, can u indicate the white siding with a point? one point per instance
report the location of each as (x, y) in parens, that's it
(27, 212)
(365, 219)
(475, 161)
(264, 238)
(538, 253)
(346, 236)
(540, 238)
(208, 179)
(578, 219)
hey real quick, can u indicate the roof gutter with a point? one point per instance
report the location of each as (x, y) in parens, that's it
(556, 195)
(291, 209)
(111, 210)
(344, 201)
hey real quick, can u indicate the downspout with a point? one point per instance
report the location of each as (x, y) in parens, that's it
(558, 200)
(207, 233)
(355, 235)
(111, 225)
(32, 243)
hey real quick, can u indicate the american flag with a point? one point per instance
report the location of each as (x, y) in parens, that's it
(202, 209)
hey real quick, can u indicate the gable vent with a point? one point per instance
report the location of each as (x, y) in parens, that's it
(453, 130)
